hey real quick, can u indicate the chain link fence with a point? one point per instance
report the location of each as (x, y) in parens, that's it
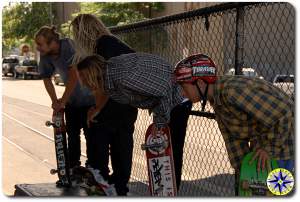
(254, 39)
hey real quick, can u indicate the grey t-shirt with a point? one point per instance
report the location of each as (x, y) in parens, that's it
(81, 96)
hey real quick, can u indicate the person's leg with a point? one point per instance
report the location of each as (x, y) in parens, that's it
(73, 127)
(121, 149)
(178, 124)
(98, 146)
(98, 137)
(83, 119)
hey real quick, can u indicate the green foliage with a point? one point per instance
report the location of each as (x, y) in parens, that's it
(21, 21)
(114, 14)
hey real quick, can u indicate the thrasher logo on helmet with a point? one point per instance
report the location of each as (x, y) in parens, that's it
(196, 67)
(204, 71)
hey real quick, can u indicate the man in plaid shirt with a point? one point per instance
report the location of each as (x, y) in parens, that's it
(144, 81)
(246, 109)
(128, 74)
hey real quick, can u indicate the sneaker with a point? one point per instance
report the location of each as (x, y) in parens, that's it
(109, 189)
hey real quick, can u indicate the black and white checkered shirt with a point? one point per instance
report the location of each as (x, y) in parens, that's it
(144, 81)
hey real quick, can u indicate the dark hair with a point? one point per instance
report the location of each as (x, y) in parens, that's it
(49, 33)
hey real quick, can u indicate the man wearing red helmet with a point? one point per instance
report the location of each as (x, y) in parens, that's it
(247, 110)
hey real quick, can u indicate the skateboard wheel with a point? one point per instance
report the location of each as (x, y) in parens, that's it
(143, 147)
(57, 124)
(53, 171)
(48, 123)
(245, 184)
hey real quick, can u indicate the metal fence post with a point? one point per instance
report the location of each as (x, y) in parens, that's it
(239, 41)
(239, 61)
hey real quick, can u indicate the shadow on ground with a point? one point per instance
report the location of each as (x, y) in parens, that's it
(218, 185)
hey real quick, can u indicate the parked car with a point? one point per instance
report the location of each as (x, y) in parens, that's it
(285, 82)
(247, 71)
(58, 80)
(8, 65)
(27, 68)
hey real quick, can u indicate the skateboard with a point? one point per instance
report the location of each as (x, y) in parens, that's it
(93, 182)
(61, 150)
(159, 154)
(253, 182)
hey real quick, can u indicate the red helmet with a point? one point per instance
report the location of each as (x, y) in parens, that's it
(194, 67)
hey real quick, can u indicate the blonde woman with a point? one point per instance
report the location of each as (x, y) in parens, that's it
(115, 123)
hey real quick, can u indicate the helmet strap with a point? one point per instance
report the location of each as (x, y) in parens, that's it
(203, 96)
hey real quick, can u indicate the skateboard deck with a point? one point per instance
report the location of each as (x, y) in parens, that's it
(159, 154)
(93, 183)
(253, 182)
(61, 150)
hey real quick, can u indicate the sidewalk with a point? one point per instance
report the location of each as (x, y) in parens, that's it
(19, 167)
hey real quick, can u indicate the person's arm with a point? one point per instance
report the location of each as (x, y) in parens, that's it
(161, 113)
(51, 91)
(70, 85)
(46, 70)
(100, 99)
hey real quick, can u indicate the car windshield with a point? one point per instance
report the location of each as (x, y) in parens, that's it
(29, 63)
(10, 60)
(285, 79)
(250, 73)
(246, 72)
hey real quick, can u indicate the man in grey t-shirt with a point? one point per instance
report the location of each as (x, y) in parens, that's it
(56, 56)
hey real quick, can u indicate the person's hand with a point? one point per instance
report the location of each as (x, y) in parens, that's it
(91, 114)
(263, 158)
(55, 105)
(58, 105)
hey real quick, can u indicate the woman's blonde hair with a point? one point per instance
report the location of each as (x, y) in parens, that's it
(86, 29)
(49, 33)
(93, 69)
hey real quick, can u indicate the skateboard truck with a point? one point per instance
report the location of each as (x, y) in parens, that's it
(153, 146)
(253, 185)
(258, 187)
(55, 124)
(53, 171)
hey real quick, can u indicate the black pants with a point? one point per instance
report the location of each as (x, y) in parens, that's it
(114, 128)
(76, 118)
(178, 124)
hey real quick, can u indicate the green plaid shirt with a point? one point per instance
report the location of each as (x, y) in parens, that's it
(253, 110)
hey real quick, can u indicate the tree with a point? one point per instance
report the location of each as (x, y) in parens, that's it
(113, 14)
(22, 20)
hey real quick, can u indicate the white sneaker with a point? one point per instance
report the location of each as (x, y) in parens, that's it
(109, 189)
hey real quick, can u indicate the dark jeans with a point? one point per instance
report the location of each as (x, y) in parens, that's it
(114, 128)
(75, 121)
(178, 124)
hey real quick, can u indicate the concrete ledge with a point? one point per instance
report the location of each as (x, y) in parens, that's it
(47, 190)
